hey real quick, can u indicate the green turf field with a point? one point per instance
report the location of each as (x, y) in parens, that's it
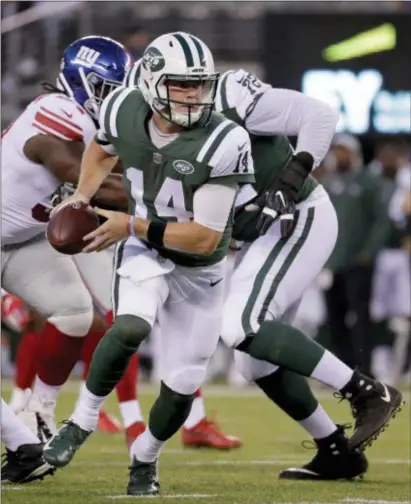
(98, 474)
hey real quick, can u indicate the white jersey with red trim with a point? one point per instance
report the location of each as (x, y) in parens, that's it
(27, 187)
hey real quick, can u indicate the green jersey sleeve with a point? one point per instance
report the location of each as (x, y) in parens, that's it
(114, 109)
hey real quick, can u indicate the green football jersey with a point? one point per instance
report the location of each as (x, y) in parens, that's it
(237, 94)
(161, 181)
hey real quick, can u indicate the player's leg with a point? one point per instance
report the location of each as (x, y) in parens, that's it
(26, 359)
(106, 422)
(200, 431)
(380, 303)
(291, 392)
(16, 313)
(401, 312)
(256, 328)
(49, 282)
(24, 453)
(96, 271)
(138, 291)
(189, 323)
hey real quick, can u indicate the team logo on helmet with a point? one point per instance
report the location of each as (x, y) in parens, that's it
(153, 60)
(183, 167)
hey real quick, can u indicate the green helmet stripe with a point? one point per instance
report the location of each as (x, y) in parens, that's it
(186, 49)
(199, 49)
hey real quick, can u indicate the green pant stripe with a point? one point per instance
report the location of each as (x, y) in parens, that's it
(118, 258)
(268, 264)
(287, 264)
(258, 283)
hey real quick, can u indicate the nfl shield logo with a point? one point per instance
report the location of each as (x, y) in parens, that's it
(157, 157)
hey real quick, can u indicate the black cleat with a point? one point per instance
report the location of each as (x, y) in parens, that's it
(373, 405)
(333, 461)
(143, 478)
(61, 448)
(25, 464)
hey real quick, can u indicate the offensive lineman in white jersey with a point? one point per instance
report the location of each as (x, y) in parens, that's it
(276, 268)
(41, 151)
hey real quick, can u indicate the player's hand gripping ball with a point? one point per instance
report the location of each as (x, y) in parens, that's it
(69, 224)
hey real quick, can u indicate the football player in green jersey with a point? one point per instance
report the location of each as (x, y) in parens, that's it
(273, 270)
(183, 165)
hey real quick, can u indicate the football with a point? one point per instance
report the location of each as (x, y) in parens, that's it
(68, 226)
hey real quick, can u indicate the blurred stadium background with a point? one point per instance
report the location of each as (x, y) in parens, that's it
(352, 54)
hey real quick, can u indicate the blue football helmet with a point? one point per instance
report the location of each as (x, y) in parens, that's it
(91, 68)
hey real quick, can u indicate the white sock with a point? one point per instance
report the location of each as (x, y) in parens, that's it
(319, 425)
(146, 448)
(19, 398)
(197, 413)
(13, 431)
(44, 397)
(87, 409)
(130, 412)
(331, 371)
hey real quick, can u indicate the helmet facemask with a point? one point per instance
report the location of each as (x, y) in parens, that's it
(185, 113)
(97, 88)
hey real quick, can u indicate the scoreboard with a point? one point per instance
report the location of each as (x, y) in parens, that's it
(359, 63)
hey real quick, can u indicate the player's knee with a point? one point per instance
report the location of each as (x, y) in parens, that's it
(73, 314)
(174, 397)
(232, 332)
(186, 381)
(73, 324)
(130, 330)
(252, 369)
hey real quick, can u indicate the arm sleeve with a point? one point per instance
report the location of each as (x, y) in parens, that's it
(212, 205)
(102, 140)
(282, 111)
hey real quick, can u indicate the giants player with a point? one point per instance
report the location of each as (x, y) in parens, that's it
(41, 151)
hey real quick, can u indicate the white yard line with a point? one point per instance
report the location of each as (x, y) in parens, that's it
(278, 461)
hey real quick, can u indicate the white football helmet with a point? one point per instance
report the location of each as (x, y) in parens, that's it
(178, 57)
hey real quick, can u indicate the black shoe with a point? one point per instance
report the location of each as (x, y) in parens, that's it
(25, 464)
(373, 404)
(62, 447)
(143, 478)
(333, 461)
